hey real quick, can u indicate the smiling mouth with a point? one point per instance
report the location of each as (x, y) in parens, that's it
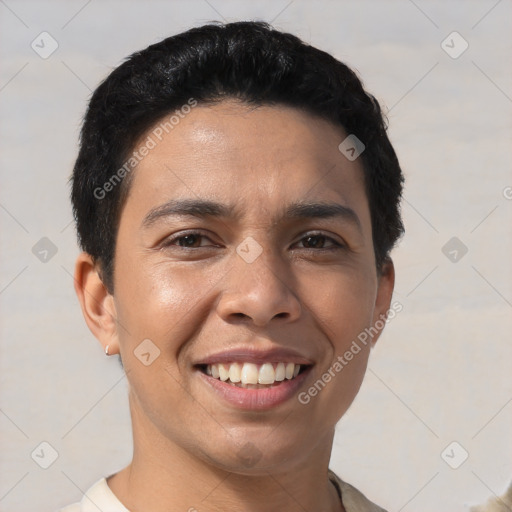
(253, 376)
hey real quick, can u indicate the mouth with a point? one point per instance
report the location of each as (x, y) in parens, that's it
(254, 376)
(249, 379)
(251, 386)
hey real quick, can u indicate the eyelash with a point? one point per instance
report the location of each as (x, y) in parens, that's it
(335, 244)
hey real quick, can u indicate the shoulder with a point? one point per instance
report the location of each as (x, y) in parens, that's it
(352, 499)
(98, 497)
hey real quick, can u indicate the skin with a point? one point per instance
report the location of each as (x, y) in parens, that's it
(301, 293)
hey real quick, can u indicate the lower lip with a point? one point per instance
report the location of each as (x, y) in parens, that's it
(256, 399)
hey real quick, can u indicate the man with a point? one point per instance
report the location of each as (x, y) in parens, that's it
(236, 198)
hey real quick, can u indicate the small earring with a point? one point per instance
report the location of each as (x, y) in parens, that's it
(106, 351)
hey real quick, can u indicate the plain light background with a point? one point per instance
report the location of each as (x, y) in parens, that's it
(441, 371)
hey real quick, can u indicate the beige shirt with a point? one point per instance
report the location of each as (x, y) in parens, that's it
(100, 497)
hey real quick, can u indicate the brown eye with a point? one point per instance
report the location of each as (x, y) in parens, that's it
(189, 240)
(314, 242)
(192, 240)
(319, 242)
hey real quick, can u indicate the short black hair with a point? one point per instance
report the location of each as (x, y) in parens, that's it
(248, 61)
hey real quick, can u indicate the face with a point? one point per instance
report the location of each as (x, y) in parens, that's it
(245, 251)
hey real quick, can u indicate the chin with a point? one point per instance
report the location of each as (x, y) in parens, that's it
(253, 454)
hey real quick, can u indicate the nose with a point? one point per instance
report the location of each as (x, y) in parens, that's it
(259, 292)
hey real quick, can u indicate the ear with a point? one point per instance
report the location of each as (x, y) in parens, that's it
(385, 286)
(97, 303)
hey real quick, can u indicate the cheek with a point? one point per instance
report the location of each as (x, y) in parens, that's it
(161, 301)
(341, 301)
(167, 306)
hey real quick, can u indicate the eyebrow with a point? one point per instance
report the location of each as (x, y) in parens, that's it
(204, 208)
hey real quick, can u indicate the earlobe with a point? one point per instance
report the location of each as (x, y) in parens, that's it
(386, 284)
(96, 302)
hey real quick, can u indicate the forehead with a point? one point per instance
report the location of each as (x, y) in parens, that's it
(232, 151)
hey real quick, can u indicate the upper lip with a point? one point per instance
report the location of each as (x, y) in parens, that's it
(248, 355)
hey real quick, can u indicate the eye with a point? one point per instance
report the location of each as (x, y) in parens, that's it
(197, 239)
(192, 240)
(319, 241)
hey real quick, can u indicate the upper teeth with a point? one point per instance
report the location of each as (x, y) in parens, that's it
(250, 373)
